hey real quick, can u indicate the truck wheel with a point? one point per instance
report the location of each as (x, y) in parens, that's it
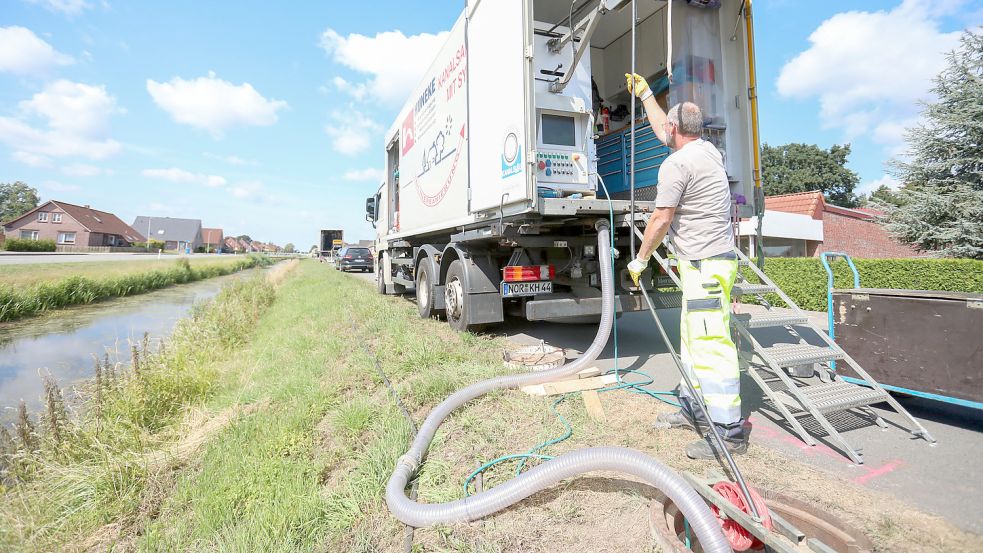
(456, 306)
(380, 283)
(424, 291)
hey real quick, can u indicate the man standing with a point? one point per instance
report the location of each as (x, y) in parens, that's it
(693, 202)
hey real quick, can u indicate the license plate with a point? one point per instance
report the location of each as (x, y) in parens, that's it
(517, 289)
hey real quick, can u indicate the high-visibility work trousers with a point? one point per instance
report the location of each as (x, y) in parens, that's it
(707, 350)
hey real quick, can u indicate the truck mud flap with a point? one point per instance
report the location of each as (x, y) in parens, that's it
(563, 308)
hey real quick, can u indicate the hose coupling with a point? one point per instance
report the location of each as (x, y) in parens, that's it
(602, 224)
(411, 462)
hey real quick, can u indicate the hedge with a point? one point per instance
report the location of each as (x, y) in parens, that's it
(27, 245)
(804, 279)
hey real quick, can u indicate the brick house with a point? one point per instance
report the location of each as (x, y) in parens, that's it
(214, 239)
(72, 225)
(805, 225)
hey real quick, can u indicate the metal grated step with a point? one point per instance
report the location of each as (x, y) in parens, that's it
(768, 320)
(836, 396)
(747, 288)
(790, 355)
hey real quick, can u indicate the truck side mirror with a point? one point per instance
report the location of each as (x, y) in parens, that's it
(370, 210)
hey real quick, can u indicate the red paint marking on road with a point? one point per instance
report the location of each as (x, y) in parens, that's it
(873, 473)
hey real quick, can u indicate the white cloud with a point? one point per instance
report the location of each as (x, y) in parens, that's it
(368, 174)
(230, 159)
(393, 62)
(351, 131)
(83, 170)
(248, 190)
(23, 53)
(33, 160)
(77, 119)
(56, 186)
(213, 104)
(175, 174)
(867, 187)
(66, 7)
(869, 69)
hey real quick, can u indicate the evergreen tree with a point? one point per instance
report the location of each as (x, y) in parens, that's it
(805, 167)
(942, 175)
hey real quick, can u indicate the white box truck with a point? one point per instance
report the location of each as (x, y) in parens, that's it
(512, 147)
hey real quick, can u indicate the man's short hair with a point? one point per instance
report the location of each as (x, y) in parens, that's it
(687, 117)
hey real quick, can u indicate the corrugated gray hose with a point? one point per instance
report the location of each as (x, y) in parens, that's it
(701, 520)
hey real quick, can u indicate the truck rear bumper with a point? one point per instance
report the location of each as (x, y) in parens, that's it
(565, 308)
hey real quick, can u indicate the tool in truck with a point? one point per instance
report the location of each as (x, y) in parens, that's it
(693, 201)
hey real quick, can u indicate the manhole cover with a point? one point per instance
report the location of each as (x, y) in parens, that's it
(540, 357)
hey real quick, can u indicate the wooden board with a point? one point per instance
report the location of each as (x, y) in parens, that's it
(568, 386)
(593, 403)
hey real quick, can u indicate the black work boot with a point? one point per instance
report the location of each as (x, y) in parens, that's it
(735, 440)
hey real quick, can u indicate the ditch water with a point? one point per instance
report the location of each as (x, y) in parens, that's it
(61, 344)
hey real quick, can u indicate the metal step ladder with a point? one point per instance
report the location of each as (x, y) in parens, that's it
(797, 397)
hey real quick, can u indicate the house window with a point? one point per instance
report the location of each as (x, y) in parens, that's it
(66, 237)
(29, 235)
(42, 216)
(111, 239)
(56, 217)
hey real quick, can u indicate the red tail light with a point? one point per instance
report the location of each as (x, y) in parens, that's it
(347, 257)
(525, 273)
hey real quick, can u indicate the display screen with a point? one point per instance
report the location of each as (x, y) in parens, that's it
(558, 130)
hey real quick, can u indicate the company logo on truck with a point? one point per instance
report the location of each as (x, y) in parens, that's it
(409, 133)
(511, 155)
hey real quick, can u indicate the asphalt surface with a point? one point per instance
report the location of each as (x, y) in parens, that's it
(23, 258)
(945, 478)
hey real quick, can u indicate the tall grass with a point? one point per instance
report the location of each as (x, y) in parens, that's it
(63, 476)
(16, 303)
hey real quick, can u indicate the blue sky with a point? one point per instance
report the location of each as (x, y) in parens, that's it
(266, 118)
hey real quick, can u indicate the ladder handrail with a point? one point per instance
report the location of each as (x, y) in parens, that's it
(829, 286)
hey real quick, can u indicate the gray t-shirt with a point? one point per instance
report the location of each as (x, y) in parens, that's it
(694, 181)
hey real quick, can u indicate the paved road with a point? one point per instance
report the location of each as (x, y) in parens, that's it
(22, 259)
(946, 478)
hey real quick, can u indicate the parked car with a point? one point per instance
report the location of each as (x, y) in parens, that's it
(354, 258)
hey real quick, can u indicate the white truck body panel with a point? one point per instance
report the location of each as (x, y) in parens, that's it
(471, 136)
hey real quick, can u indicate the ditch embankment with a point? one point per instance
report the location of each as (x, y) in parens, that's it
(275, 432)
(28, 290)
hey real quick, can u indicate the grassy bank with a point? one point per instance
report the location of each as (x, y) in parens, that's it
(20, 297)
(72, 475)
(296, 436)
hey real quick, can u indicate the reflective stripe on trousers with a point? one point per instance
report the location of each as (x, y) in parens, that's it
(706, 347)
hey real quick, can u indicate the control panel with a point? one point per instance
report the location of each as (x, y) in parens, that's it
(561, 167)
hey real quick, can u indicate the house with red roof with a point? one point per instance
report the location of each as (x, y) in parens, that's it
(72, 225)
(805, 225)
(212, 238)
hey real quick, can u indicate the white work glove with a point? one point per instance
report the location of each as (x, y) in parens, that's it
(636, 268)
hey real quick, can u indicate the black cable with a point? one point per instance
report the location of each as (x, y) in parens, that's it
(408, 530)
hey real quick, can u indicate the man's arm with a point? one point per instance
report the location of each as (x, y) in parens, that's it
(655, 231)
(657, 117)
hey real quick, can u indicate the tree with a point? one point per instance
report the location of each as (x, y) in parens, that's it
(244, 237)
(16, 199)
(883, 195)
(942, 173)
(805, 167)
(289, 248)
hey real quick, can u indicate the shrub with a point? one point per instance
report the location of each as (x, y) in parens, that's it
(804, 279)
(27, 245)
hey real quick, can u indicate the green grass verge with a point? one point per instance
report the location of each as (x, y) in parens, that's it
(66, 477)
(79, 288)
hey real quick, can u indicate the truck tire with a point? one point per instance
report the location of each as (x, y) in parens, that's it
(455, 302)
(380, 283)
(425, 291)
